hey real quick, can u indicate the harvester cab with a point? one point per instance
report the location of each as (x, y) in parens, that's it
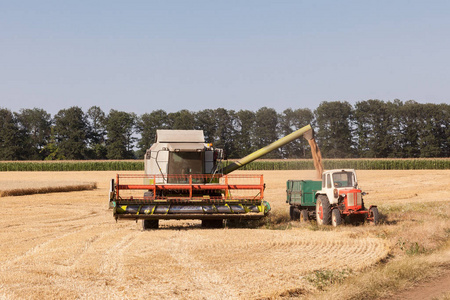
(181, 152)
(184, 179)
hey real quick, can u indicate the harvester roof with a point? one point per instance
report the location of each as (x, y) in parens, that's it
(179, 136)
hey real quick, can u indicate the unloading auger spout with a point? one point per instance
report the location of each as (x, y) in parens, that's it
(307, 132)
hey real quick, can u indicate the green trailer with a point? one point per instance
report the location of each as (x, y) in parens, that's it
(301, 197)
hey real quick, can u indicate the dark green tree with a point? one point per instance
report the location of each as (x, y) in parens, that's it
(181, 120)
(206, 120)
(334, 134)
(147, 125)
(395, 131)
(36, 126)
(266, 128)
(444, 125)
(409, 128)
(245, 129)
(96, 120)
(11, 138)
(70, 132)
(290, 121)
(120, 127)
(374, 129)
(224, 136)
(430, 134)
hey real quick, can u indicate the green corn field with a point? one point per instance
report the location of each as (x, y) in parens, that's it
(280, 164)
(358, 164)
(124, 165)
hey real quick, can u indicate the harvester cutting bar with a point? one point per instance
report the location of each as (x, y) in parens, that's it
(189, 197)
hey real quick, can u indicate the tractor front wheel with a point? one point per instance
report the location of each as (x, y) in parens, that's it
(374, 215)
(323, 210)
(336, 217)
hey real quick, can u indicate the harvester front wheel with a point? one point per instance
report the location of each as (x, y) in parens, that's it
(323, 210)
(150, 224)
(336, 217)
(304, 216)
(374, 215)
(212, 223)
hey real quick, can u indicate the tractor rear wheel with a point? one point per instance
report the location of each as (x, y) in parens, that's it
(374, 215)
(150, 224)
(336, 217)
(304, 216)
(323, 210)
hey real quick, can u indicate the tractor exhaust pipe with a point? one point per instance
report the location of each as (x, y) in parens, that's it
(307, 132)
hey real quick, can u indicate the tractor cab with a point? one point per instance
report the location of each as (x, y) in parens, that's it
(335, 183)
(343, 179)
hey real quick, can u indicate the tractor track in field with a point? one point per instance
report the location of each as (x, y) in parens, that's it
(113, 262)
(42, 246)
(201, 275)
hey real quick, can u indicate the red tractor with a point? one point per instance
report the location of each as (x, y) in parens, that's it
(341, 198)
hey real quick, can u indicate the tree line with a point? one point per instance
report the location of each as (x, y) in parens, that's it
(369, 129)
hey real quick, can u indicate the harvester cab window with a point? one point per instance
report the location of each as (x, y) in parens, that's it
(185, 163)
(343, 179)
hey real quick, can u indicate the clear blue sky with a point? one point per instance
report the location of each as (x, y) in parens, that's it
(139, 56)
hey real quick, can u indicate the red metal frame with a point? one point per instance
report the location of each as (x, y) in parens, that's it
(194, 183)
(354, 209)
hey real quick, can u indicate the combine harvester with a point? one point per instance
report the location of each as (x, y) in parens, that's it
(183, 180)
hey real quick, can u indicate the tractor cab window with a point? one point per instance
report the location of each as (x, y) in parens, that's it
(343, 179)
(328, 181)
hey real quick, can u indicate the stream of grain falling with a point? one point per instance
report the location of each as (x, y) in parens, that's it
(317, 157)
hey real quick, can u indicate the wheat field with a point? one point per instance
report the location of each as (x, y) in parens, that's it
(68, 246)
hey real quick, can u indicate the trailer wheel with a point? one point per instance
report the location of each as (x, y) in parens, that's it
(296, 214)
(323, 210)
(291, 212)
(304, 216)
(150, 224)
(336, 217)
(212, 223)
(374, 215)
